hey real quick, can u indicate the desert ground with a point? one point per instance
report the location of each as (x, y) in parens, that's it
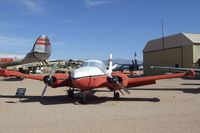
(170, 106)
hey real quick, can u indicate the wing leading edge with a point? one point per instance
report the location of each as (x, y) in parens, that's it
(12, 73)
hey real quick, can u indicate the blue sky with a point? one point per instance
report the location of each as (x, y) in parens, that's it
(82, 29)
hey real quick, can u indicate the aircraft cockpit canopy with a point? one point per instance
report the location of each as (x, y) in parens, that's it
(93, 63)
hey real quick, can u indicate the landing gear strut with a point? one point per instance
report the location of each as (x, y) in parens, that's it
(82, 99)
(116, 96)
(71, 93)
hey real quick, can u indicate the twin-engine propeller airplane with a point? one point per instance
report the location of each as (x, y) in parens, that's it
(93, 74)
(40, 52)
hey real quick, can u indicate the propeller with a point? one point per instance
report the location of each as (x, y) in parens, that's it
(114, 80)
(49, 79)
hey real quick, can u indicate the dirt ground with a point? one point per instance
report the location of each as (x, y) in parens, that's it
(170, 106)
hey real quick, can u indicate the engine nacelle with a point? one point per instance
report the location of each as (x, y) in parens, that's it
(118, 81)
(49, 80)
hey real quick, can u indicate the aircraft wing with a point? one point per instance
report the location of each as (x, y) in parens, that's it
(58, 79)
(175, 69)
(123, 81)
(133, 82)
(12, 73)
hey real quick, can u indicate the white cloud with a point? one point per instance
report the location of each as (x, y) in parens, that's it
(97, 2)
(35, 6)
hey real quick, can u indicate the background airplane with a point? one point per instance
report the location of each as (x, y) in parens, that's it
(40, 52)
(175, 69)
(129, 68)
(93, 74)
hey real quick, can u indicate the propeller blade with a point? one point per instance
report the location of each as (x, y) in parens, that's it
(126, 90)
(53, 70)
(44, 90)
(105, 72)
(121, 92)
(123, 88)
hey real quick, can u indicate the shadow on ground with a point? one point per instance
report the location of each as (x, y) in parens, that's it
(64, 99)
(12, 79)
(184, 90)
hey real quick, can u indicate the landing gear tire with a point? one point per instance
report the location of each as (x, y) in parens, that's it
(82, 99)
(70, 93)
(116, 96)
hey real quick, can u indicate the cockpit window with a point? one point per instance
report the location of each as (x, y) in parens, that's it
(93, 64)
(85, 64)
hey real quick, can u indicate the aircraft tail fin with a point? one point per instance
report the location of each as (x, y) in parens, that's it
(135, 59)
(111, 66)
(41, 50)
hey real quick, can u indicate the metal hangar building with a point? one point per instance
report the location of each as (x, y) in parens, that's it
(178, 50)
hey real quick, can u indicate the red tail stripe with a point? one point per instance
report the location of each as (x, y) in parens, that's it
(43, 39)
(42, 43)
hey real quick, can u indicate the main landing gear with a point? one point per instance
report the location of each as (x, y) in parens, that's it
(70, 93)
(82, 98)
(116, 96)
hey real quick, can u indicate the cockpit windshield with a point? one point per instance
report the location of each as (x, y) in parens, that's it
(93, 63)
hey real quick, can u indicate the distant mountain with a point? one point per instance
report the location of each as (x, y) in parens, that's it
(122, 61)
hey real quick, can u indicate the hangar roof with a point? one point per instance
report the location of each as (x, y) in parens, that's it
(172, 41)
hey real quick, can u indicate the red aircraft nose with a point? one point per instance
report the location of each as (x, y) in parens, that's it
(82, 83)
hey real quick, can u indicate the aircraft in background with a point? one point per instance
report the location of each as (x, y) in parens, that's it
(175, 69)
(129, 67)
(40, 52)
(93, 74)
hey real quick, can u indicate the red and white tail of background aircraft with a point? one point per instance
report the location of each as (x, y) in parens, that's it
(93, 74)
(40, 52)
